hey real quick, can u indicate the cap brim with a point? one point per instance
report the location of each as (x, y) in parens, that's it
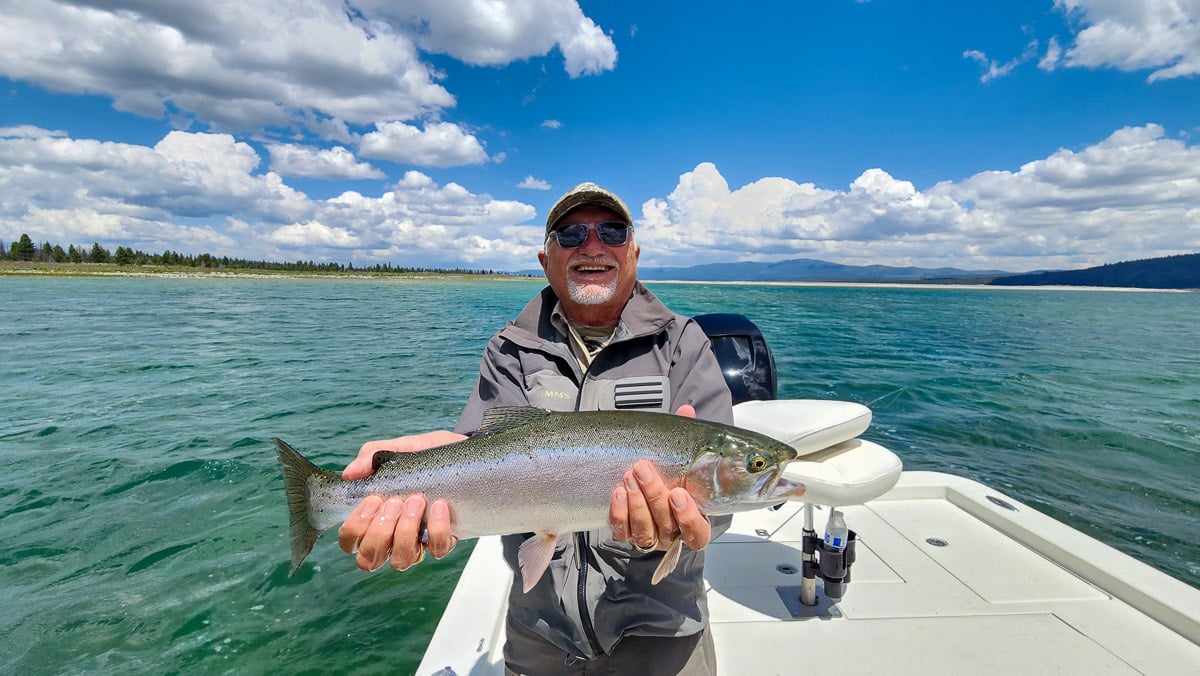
(586, 195)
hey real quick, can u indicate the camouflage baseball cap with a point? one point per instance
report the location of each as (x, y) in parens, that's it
(586, 193)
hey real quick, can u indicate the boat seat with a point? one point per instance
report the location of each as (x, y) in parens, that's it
(835, 467)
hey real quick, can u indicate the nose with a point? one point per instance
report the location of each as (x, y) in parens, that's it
(592, 245)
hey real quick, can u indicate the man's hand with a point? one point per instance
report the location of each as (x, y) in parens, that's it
(643, 512)
(379, 527)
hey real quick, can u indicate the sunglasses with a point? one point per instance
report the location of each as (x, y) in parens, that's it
(612, 233)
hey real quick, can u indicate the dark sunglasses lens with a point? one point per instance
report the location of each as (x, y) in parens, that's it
(612, 234)
(572, 236)
(575, 234)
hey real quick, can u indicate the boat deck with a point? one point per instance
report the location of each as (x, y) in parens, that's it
(951, 577)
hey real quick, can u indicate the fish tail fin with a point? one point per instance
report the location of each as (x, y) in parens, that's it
(669, 560)
(296, 471)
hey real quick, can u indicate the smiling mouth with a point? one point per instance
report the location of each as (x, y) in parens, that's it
(592, 269)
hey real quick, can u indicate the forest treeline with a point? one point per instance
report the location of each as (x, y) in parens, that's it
(25, 250)
(1169, 272)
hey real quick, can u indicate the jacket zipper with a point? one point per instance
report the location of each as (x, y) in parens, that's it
(585, 618)
(582, 553)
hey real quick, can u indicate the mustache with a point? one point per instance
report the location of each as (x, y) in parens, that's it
(597, 260)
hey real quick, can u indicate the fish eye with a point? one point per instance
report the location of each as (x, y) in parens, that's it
(757, 462)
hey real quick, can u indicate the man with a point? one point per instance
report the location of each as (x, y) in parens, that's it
(595, 339)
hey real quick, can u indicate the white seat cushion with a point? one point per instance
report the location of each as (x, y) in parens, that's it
(807, 425)
(849, 473)
(835, 468)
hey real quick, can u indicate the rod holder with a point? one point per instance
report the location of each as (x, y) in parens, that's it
(831, 565)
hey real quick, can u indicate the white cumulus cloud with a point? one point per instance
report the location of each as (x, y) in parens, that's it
(199, 192)
(1131, 195)
(489, 33)
(323, 67)
(312, 234)
(241, 66)
(439, 144)
(29, 131)
(1162, 36)
(290, 159)
(531, 183)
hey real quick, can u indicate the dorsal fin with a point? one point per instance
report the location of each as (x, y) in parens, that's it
(504, 417)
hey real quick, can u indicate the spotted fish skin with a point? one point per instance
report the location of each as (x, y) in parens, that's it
(528, 470)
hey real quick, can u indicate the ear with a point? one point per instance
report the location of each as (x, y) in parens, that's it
(543, 259)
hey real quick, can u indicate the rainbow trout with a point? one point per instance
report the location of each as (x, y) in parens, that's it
(528, 470)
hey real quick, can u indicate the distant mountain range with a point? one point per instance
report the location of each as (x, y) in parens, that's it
(1171, 272)
(811, 270)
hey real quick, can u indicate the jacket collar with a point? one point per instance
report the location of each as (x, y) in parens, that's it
(644, 314)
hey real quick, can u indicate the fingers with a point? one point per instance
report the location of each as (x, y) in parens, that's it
(618, 514)
(380, 528)
(406, 546)
(355, 526)
(643, 509)
(687, 410)
(641, 530)
(640, 511)
(441, 537)
(376, 541)
(657, 497)
(694, 527)
(363, 464)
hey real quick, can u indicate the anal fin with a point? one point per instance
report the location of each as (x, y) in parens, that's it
(534, 558)
(669, 560)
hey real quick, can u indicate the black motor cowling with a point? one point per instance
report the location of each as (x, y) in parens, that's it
(742, 351)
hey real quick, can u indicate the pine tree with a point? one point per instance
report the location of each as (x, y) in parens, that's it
(99, 253)
(23, 249)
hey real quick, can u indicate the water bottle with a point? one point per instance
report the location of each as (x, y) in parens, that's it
(836, 532)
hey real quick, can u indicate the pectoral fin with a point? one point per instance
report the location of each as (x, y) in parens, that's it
(669, 560)
(534, 558)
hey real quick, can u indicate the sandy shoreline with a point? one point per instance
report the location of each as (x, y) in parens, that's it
(254, 274)
(919, 285)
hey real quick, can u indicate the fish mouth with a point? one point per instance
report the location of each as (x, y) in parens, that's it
(786, 489)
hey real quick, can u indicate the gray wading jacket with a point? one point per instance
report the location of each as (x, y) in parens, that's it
(598, 590)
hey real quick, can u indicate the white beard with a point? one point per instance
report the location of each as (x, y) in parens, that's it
(591, 294)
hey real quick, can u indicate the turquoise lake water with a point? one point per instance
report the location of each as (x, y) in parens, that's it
(143, 516)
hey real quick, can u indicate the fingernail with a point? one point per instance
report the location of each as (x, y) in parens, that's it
(643, 473)
(630, 484)
(410, 507)
(391, 509)
(620, 496)
(369, 509)
(678, 501)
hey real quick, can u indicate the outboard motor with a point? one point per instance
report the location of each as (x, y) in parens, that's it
(749, 369)
(742, 351)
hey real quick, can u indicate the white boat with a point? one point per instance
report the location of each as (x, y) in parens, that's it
(950, 576)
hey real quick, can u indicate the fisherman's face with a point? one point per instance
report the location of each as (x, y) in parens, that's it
(593, 280)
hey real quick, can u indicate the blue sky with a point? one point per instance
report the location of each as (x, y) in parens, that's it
(1012, 135)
